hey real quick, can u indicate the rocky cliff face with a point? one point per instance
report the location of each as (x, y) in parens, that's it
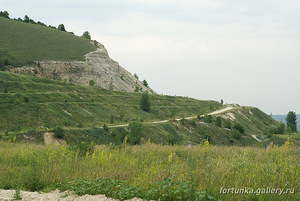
(98, 67)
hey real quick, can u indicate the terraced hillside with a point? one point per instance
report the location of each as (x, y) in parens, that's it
(34, 105)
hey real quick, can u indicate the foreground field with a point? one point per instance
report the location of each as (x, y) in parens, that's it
(153, 171)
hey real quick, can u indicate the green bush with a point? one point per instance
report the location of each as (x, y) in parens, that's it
(145, 103)
(91, 83)
(239, 127)
(218, 121)
(59, 132)
(236, 134)
(105, 127)
(227, 123)
(135, 132)
(207, 118)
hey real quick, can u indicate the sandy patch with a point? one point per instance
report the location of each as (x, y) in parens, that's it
(8, 195)
(49, 139)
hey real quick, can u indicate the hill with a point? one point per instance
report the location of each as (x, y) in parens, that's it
(47, 52)
(24, 43)
(31, 105)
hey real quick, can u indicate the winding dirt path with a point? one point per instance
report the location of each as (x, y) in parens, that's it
(165, 121)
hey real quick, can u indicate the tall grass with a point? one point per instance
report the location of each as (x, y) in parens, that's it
(206, 168)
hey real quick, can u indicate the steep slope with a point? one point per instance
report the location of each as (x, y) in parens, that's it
(60, 55)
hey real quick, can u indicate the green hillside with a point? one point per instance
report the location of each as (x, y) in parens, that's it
(32, 105)
(23, 43)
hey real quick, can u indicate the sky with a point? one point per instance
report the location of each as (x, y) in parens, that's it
(245, 52)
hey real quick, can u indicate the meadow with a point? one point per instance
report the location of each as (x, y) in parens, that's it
(152, 171)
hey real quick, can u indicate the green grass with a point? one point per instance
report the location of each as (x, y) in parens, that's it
(51, 103)
(24, 43)
(202, 169)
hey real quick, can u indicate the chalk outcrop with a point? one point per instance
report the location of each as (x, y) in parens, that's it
(98, 67)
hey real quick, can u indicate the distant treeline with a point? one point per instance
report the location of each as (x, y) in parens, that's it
(27, 19)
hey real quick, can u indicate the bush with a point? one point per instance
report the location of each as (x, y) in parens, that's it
(236, 134)
(227, 123)
(86, 35)
(135, 132)
(145, 103)
(112, 119)
(91, 83)
(239, 127)
(105, 127)
(218, 121)
(59, 132)
(26, 99)
(145, 83)
(207, 118)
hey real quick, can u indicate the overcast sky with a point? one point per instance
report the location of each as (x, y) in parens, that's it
(245, 52)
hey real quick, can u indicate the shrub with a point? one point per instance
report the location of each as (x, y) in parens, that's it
(91, 83)
(239, 127)
(135, 132)
(86, 35)
(59, 132)
(112, 119)
(145, 103)
(105, 127)
(25, 99)
(227, 123)
(5, 90)
(207, 118)
(84, 147)
(218, 121)
(236, 134)
(145, 83)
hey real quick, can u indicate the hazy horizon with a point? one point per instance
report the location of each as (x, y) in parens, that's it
(242, 52)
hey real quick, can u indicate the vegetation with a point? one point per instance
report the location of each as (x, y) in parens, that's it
(59, 132)
(86, 35)
(150, 171)
(91, 83)
(291, 121)
(145, 103)
(145, 83)
(23, 43)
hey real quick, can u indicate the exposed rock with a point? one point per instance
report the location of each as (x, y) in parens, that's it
(99, 67)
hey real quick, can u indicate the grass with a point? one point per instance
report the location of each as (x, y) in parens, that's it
(161, 170)
(24, 43)
(51, 103)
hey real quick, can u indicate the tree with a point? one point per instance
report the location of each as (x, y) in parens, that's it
(136, 76)
(4, 14)
(26, 19)
(291, 121)
(87, 35)
(145, 104)
(145, 83)
(61, 27)
(222, 102)
(135, 132)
